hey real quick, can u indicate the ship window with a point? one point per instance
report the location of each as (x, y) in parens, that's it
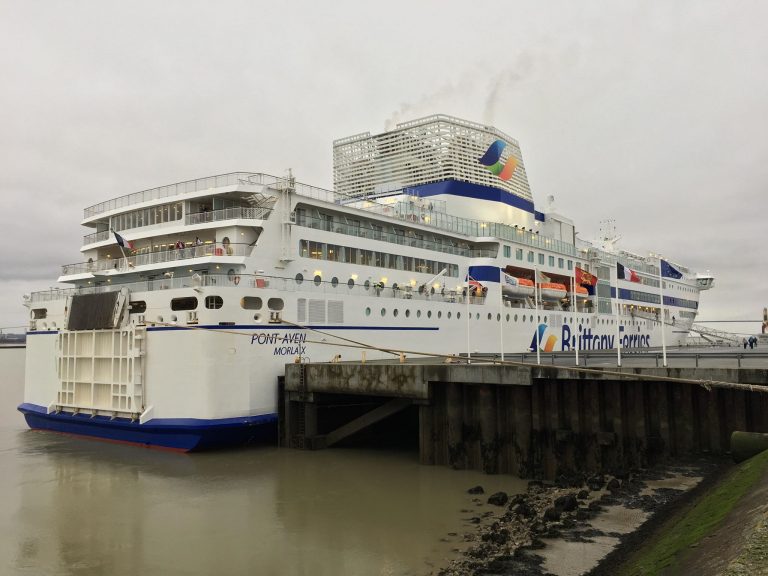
(367, 311)
(560, 262)
(334, 282)
(507, 251)
(396, 312)
(367, 284)
(498, 317)
(551, 260)
(541, 258)
(489, 315)
(383, 311)
(38, 313)
(407, 313)
(188, 303)
(299, 278)
(439, 313)
(418, 313)
(318, 279)
(429, 313)
(449, 315)
(275, 304)
(507, 317)
(570, 264)
(251, 303)
(458, 315)
(515, 317)
(530, 255)
(214, 302)
(519, 253)
(138, 307)
(351, 283)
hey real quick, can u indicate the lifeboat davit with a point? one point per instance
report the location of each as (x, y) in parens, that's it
(517, 287)
(552, 291)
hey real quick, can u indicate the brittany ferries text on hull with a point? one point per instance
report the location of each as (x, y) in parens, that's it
(190, 298)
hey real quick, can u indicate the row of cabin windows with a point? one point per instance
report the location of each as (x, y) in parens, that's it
(542, 258)
(212, 303)
(349, 255)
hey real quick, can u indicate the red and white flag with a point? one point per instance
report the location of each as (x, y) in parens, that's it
(624, 273)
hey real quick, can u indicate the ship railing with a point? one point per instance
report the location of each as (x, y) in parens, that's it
(237, 213)
(208, 250)
(188, 187)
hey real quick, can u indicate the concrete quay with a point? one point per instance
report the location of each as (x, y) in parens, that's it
(533, 421)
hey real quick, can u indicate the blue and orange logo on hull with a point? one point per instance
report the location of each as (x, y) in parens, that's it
(547, 343)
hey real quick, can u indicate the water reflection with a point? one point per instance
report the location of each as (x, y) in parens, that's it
(75, 506)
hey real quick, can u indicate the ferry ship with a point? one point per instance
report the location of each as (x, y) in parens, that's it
(189, 299)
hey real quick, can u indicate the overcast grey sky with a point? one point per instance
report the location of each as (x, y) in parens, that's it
(650, 113)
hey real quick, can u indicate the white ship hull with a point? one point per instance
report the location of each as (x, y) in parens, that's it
(181, 348)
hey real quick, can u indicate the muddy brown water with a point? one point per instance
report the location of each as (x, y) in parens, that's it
(72, 506)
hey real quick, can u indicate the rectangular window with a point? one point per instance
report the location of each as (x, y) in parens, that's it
(519, 253)
(541, 258)
(570, 264)
(551, 260)
(530, 255)
(507, 251)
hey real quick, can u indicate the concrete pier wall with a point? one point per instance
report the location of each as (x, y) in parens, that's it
(538, 422)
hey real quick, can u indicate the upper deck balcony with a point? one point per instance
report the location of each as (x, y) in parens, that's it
(210, 252)
(195, 219)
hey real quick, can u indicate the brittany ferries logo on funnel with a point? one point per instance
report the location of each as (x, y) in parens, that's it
(547, 344)
(492, 160)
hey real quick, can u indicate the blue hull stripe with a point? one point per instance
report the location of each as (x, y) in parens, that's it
(183, 434)
(286, 326)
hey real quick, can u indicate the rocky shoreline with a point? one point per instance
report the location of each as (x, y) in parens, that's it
(513, 537)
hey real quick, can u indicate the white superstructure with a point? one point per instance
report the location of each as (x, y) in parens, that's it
(177, 339)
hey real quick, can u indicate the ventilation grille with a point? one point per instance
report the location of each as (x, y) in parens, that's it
(301, 310)
(335, 312)
(316, 311)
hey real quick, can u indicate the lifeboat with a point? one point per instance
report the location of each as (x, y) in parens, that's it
(552, 291)
(516, 287)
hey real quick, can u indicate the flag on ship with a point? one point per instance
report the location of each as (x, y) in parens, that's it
(122, 242)
(508, 280)
(583, 277)
(625, 273)
(669, 271)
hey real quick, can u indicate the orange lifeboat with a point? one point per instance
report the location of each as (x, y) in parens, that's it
(513, 287)
(552, 291)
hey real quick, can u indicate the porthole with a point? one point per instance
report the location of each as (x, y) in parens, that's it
(418, 313)
(498, 317)
(458, 315)
(213, 302)
(531, 317)
(395, 312)
(334, 281)
(318, 279)
(367, 285)
(507, 317)
(439, 313)
(174, 318)
(394, 286)
(187, 303)
(299, 278)
(477, 316)
(367, 311)
(545, 319)
(515, 317)
(383, 311)
(276, 304)
(407, 313)
(489, 316)
(250, 303)
(449, 315)
(351, 283)
(257, 317)
(429, 313)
